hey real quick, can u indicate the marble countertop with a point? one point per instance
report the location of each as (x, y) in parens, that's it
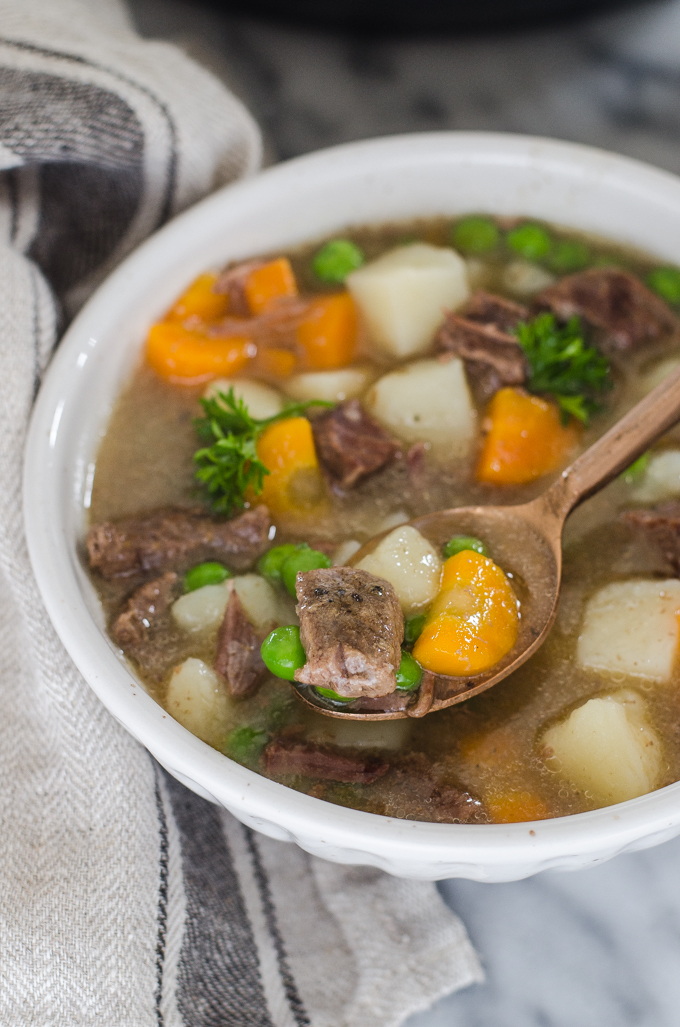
(596, 948)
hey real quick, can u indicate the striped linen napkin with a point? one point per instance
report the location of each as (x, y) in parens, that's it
(125, 899)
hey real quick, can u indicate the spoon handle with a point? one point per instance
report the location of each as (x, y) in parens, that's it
(618, 448)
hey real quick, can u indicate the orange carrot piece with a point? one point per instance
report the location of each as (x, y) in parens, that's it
(473, 621)
(269, 283)
(189, 357)
(294, 483)
(526, 440)
(199, 301)
(515, 807)
(328, 333)
(274, 361)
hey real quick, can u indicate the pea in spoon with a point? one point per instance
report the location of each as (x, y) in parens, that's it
(526, 541)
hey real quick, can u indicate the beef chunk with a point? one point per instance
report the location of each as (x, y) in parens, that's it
(625, 311)
(421, 790)
(661, 524)
(238, 650)
(351, 444)
(232, 281)
(351, 628)
(488, 309)
(176, 538)
(392, 703)
(144, 607)
(290, 757)
(493, 358)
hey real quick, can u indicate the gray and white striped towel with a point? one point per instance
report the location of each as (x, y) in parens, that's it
(124, 898)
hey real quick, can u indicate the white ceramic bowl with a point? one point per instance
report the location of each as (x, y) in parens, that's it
(379, 180)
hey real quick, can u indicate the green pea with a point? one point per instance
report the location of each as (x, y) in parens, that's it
(328, 693)
(282, 652)
(665, 281)
(302, 560)
(531, 241)
(569, 255)
(205, 574)
(410, 673)
(244, 744)
(336, 259)
(475, 235)
(271, 563)
(459, 543)
(412, 628)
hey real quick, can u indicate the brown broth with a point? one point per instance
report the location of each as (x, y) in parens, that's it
(489, 744)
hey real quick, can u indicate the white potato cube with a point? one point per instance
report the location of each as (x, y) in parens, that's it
(410, 563)
(661, 479)
(632, 627)
(203, 609)
(345, 552)
(262, 401)
(606, 748)
(656, 374)
(196, 698)
(334, 386)
(427, 401)
(404, 294)
(264, 607)
(525, 279)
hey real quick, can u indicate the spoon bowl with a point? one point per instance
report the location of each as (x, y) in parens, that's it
(526, 541)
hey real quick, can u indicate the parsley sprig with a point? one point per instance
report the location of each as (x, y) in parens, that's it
(229, 465)
(565, 366)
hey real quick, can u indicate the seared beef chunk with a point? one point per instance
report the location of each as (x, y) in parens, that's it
(232, 282)
(488, 309)
(493, 358)
(421, 790)
(177, 538)
(238, 650)
(144, 607)
(290, 757)
(661, 524)
(627, 313)
(351, 444)
(351, 628)
(391, 703)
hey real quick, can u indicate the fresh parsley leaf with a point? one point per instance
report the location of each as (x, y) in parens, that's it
(564, 365)
(229, 465)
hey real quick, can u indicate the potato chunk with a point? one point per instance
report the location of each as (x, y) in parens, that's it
(196, 698)
(203, 609)
(426, 401)
(404, 293)
(334, 386)
(607, 748)
(661, 479)
(632, 627)
(524, 279)
(264, 607)
(410, 563)
(261, 400)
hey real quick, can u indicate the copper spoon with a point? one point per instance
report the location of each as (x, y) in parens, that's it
(526, 541)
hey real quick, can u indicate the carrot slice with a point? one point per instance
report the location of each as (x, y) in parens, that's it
(294, 483)
(526, 439)
(473, 620)
(199, 301)
(188, 357)
(279, 363)
(328, 334)
(516, 807)
(269, 283)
